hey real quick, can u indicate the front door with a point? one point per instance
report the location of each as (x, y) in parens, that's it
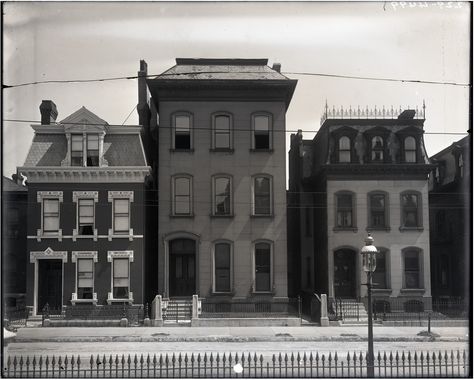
(50, 283)
(182, 269)
(344, 274)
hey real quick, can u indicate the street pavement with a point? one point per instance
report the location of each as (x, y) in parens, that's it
(239, 334)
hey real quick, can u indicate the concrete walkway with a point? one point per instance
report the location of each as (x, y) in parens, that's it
(237, 334)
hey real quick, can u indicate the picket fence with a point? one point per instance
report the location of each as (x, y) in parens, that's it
(210, 365)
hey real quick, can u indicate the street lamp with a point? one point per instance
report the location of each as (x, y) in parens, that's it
(369, 258)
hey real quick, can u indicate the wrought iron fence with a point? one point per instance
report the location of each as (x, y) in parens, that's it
(251, 309)
(341, 309)
(16, 318)
(207, 365)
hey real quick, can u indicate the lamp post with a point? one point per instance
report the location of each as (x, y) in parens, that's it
(369, 253)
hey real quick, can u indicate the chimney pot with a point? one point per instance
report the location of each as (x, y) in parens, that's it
(48, 111)
(277, 67)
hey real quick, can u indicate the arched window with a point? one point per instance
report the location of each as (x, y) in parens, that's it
(182, 131)
(222, 195)
(411, 210)
(412, 268)
(262, 195)
(344, 149)
(377, 148)
(182, 195)
(410, 149)
(345, 210)
(378, 210)
(222, 131)
(262, 131)
(380, 276)
(222, 267)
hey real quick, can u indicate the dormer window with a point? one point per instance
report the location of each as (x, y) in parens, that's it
(377, 149)
(90, 142)
(410, 149)
(344, 149)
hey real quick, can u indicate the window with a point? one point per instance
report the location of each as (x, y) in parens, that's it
(50, 215)
(92, 150)
(77, 150)
(222, 132)
(344, 210)
(222, 201)
(411, 263)
(86, 216)
(410, 149)
(121, 278)
(344, 149)
(379, 277)
(121, 211)
(411, 211)
(222, 267)
(377, 149)
(263, 272)
(85, 278)
(182, 132)
(262, 201)
(378, 211)
(182, 195)
(262, 132)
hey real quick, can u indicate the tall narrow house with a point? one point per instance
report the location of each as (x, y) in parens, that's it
(221, 179)
(85, 212)
(364, 172)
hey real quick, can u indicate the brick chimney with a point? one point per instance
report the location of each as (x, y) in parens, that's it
(48, 111)
(142, 106)
(277, 67)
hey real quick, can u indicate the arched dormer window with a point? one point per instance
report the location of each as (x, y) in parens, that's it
(377, 149)
(409, 145)
(344, 149)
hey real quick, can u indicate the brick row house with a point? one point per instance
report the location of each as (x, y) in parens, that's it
(361, 173)
(221, 182)
(85, 222)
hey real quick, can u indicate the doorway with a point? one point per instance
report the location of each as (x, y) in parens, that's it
(182, 270)
(344, 273)
(50, 284)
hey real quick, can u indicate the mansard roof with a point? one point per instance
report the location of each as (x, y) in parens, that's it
(221, 69)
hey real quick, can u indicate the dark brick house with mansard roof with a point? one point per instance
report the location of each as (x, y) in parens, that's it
(364, 171)
(85, 212)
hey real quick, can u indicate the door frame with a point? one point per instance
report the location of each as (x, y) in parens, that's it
(166, 240)
(356, 270)
(47, 254)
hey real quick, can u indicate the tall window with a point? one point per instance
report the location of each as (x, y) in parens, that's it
(411, 210)
(121, 211)
(377, 148)
(262, 131)
(263, 270)
(92, 150)
(50, 215)
(182, 196)
(182, 132)
(411, 263)
(344, 210)
(262, 195)
(77, 150)
(344, 149)
(222, 132)
(85, 278)
(121, 277)
(222, 204)
(222, 267)
(379, 277)
(86, 216)
(410, 149)
(378, 213)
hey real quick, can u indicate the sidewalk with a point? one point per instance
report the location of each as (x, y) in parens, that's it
(237, 334)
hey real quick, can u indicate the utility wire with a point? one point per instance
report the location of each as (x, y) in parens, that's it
(419, 81)
(210, 128)
(133, 109)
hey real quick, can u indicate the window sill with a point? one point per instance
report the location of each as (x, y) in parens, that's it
(339, 229)
(221, 150)
(172, 150)
(269, 150)
(257, 216)
(415, 229)
(40, 234)
(111, 300)
(126, 235)
(368, 229)
(190, 216)
(229, 216)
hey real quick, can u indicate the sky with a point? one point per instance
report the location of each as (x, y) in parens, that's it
(83, 40)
